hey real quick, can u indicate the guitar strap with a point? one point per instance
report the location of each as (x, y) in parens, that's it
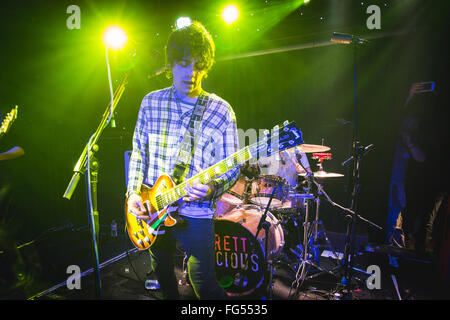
(187, 147)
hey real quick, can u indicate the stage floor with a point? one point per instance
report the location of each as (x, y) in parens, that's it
(403, 276)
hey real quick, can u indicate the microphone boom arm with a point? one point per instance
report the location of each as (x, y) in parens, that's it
(80, 166)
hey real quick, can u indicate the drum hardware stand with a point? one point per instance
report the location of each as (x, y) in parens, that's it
(318, 224)
(320, 157)
(309, 240)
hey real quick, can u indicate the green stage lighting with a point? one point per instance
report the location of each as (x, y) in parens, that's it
(114, 37)
(230, 14)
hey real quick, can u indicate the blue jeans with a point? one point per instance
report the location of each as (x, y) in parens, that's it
(197, 238)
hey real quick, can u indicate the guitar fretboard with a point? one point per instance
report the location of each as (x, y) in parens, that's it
(8, 121)
(177, 192)
(281, 138)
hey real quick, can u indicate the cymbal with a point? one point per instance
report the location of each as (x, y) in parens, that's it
(323, 175)
(312, 148)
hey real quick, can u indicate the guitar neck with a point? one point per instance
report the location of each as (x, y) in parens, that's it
(206, 176)
(8, 121)
(281, 138)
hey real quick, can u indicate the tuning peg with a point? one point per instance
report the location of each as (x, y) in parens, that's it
(266, 132)
(285, 123)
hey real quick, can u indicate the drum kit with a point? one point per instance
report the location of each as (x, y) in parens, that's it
(263, 222)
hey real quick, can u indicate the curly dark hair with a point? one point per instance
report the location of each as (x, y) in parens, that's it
(193, 41)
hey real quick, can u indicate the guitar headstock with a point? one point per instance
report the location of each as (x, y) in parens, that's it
(8, 120)
(280, 138)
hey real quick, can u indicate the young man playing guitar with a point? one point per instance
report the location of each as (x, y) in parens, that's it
(159, 147)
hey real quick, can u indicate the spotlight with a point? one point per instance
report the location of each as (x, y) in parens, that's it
(230, 14)
(114, 37)
(183, 22)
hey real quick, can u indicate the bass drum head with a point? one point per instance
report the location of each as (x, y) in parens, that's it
(239, 258)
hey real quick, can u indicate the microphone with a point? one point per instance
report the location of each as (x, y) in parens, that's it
(346, 38)
(364, 151)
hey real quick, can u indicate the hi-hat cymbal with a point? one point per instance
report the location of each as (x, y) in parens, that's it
(323, 174)
(312, 148)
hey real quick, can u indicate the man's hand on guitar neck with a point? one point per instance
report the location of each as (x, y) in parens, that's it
(197, 190)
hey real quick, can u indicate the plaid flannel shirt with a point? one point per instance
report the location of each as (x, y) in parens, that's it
(158, 135)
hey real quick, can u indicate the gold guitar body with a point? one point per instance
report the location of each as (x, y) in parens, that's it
(141, 232)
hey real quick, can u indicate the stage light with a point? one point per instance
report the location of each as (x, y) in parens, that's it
(230, 14)
(114, 38)
(183, 22)
(306, 1)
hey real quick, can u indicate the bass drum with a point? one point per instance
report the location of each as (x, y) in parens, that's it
(240, 257)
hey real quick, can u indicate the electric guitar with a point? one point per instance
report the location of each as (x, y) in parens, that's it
(164, 192)
(8, 121)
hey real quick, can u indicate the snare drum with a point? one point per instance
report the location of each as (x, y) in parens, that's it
(240, 257)
(263, 189)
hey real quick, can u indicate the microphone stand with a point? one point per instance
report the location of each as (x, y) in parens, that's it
(357, 157)
(85, 163)
(263, 224)
(350, 231)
